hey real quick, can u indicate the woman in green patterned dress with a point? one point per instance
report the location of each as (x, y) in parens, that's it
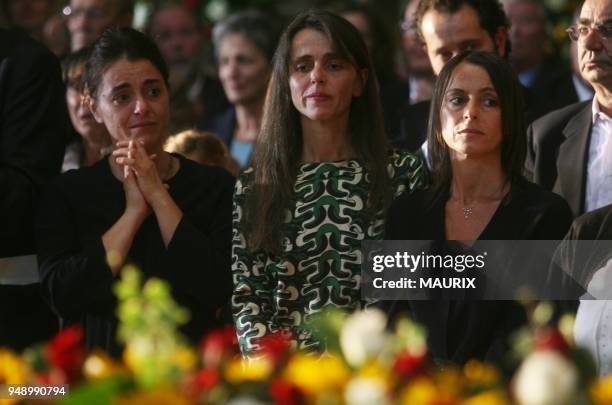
(321, 180)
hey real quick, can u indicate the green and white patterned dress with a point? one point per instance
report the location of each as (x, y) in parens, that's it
(320, 265)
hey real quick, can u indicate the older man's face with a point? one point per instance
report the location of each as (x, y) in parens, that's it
(447, 35)
(88, 19)
(595, 51)
(175, 32)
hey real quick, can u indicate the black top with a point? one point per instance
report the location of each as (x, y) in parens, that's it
(461, 330)
(33, 130)
(81, 205)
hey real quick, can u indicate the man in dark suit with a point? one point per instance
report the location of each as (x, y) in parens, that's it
(33, 128)
(568, 148)
(448, 28)
(547, 82)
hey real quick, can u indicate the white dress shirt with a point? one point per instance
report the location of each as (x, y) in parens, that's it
(599, 165)
(593, 327)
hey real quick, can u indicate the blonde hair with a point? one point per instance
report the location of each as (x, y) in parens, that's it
(204, 147)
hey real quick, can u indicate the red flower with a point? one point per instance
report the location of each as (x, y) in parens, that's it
(551, 339)
(285, 393)
(275, 346)
(219, 345)
(66, 351)
(206, 379)
(408, 365)
(191, 4)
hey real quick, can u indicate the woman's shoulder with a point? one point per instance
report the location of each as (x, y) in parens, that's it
(407, 171)
(534, 196)
(203, 174)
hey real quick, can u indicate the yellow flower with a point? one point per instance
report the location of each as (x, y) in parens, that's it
(159, 396)
(184, 358)
(240, 370)
(423, 391)
(487, 398)
(481, 374)
(315, 374)
(449, 381)
(99, 365)
(13, 370)
(601, 391)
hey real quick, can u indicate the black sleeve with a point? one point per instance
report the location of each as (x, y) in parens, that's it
(555, 221)
(209, 248)
(33, 128)
(74, 273)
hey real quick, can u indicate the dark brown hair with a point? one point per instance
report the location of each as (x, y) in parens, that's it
(490, 14)
(279, 146)
(510, 98)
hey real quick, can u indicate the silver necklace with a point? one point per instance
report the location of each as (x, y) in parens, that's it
(467, 212)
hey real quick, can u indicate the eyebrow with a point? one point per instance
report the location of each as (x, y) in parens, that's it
(587, 21)
(482, 90)
(126, 85)
(329, 55)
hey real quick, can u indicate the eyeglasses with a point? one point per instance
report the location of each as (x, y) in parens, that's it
(576, 32)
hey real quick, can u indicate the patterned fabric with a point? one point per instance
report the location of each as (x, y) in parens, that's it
(320, 265)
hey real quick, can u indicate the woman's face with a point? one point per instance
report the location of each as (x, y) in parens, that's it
(470, 113)
(132, 102)
(243, 69)
(322, 83)
(81, 117)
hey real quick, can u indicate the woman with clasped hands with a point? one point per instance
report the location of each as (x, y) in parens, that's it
(163, 213)
(477, 147)
(322, 178)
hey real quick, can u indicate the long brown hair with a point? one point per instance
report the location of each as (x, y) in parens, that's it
(279, 145)
(510, 96)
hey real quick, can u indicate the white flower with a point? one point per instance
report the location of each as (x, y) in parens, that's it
(366, 391)
(363, 336)
(546, 378)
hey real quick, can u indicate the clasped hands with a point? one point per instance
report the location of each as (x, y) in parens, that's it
(142, 184)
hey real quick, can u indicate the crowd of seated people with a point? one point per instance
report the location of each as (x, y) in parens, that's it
(246, 162)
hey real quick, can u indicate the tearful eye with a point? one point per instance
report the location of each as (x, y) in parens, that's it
(120, 98)
(490, 102)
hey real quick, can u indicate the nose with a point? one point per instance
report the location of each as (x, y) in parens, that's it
(317, 74)
(141, 107)
(592, 40)
(471, 111)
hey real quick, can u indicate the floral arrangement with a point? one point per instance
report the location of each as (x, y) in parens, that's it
(365, 363)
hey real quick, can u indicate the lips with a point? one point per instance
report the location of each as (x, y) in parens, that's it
(142, 125)
(470, 131)
(318, 96)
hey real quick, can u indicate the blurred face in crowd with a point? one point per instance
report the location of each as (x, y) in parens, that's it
(470, 113)
(447, 35)
(81, 117)
(176, 34)
(595, 51)
(89, 18)
(527, 33)
(322, 83)
(132, 101)
(30, 15)
(360, 22)
(418, 62)
(243, 69)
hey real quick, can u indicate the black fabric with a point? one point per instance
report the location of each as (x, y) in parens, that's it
(557, 154)
(461, 330)
(81, 205)
(33, 131)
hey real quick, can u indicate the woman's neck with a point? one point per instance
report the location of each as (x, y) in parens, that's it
(477, 180)
(248, 120)
(95, 147)
(326, 141)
